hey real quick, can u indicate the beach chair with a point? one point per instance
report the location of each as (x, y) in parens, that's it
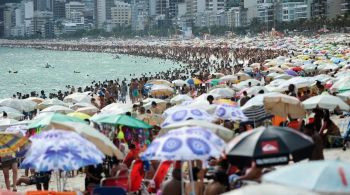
(159, 176)
(129, 181)
(136, 176)
(109, 191)
(121, 180)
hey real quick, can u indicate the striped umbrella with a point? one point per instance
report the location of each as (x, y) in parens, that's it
(10, 142)
(256, 114)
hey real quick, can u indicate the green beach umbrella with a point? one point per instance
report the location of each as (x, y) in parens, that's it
(122, 119)
(47, 120)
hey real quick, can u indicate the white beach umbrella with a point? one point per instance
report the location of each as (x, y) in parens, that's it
(59, 109)
(159, 82)
(19, 104)
(11, 112)
(298, 82)
(283, 76)
(51, 102)
(78, 97)
(267, 189)
(116, 108)
(80, 105)
(179, 83)
(283, 105)
(90, 110)
(325, 101)
(180, 98)
(228, 78)
(222, 92)
(4, 123)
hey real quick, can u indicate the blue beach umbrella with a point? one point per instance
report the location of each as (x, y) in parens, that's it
(60, 150)
(186, 143)
(178, 114)
(229, 112)
(326, 177)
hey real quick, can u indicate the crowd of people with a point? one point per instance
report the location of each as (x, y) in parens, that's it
(201, 63)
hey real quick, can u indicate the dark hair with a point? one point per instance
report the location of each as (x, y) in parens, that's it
(221, 177)
(245, 93)
(128, 113)
(195, 171)
(176, 174)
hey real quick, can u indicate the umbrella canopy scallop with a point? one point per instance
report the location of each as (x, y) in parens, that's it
(325, 101)
(122, 119)
(182, 113)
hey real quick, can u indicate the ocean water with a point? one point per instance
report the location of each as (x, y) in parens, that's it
(32, 76)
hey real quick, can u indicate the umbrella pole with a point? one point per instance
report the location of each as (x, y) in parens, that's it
(58, 180)
(191, 178)
(182, 179)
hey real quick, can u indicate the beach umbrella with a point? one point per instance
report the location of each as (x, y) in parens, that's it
(153, 119)
(204, 97)
(269, 146)
(11, 112)
(222, 92)
(283, 76)
(219, 130)
(36, 99)
(254, 109)
(231, 113)
(218, 74)
(58, 150)
(78, 97)
(122, 119)
(22, 129)
(314, 176)
(214, 82)
(159, 82)
(194, 81)
(47, 120)
(51, 102)
(327, 67)
(10, 143)
(229, 78)
(180, 114)
(179, 83)
(161, 104)
(18, 104)
(80, 105)
(116, 108)
(184, 144)
(309, 67)
(336, 60)
(90, 110)
(79, 115)
(180, 98)
(298, 82)
(161, 90)
(343, 84)
(225, 101)
(242, 76)
(345, 96)
(283, 105)
(202, 105)
(58, 109)
(297, 68)
(325, 101)
(245, 83)
(268, 188)
(103, 143)
(6, 122)
(291, 72)
(276, 69)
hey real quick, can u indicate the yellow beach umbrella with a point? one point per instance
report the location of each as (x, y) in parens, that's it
(79, 115)
(10, 142)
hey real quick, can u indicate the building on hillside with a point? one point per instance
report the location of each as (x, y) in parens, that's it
(43, 24)
(139, 14)
(102, 13)
(121, 14)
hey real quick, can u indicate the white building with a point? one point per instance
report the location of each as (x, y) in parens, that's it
(252, 9)
(75, 11)
(102, 13)
(236, 17)
(28, 17)
(294, 10)
(121, 14)
(215, 5)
